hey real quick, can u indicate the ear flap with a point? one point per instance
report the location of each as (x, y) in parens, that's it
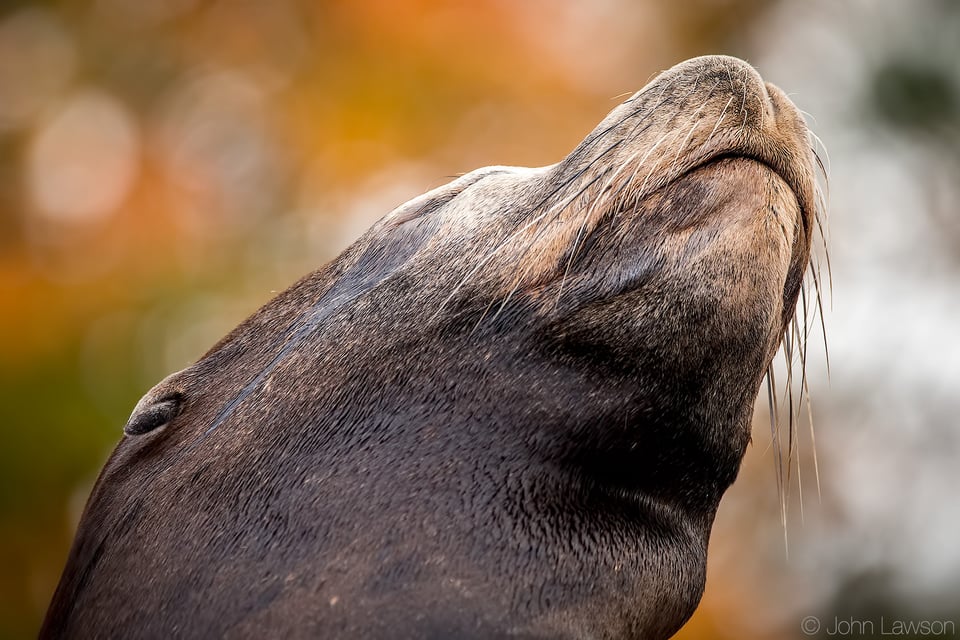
(432, 200)
(158, 407)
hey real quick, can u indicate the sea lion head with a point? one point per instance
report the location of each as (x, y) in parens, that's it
(512, 406)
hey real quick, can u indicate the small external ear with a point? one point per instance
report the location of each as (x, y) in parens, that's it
(147, 417)
(432, 200)
(159, 406)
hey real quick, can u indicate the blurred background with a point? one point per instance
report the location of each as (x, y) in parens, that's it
(167, 166)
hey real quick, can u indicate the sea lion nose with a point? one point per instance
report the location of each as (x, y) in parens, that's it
(738, 71)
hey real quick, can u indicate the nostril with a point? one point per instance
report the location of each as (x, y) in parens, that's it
(772, 90)
(148, 417)
(782, 108)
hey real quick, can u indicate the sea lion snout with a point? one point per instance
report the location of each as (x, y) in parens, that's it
(707, 108)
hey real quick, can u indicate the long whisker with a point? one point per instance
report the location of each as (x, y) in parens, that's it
(519, 280)
(588, 211)
(743, 105)
(823, 326)
(643, 187)
(794, 343)
(660, 99)
(719, 120)
(777, 451)
(822, 146)
(696, 122)
(813, 443)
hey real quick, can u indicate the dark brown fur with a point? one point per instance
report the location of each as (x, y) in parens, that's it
(510, 409)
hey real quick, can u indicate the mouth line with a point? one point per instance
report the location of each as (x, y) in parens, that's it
(806, 216)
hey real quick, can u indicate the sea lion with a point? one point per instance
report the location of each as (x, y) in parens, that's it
(510, 409)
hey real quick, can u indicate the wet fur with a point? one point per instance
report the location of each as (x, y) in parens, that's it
(510, 409)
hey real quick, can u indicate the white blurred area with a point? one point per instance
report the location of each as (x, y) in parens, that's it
(218, 154)
(84, 159)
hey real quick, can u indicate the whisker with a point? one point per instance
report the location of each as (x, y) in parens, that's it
(777, 451)
(762, 109)
(719, 120)
(519, 280)
(788, 395)
(813, 443)
(819, 141)
(588, 211)
(614, 125)
(743, 105)
(806, 113)
(556, 210)
(805, 335)
(795, 344)
(696, 122)
(800, 486)
(643, 187)
(823, 326)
